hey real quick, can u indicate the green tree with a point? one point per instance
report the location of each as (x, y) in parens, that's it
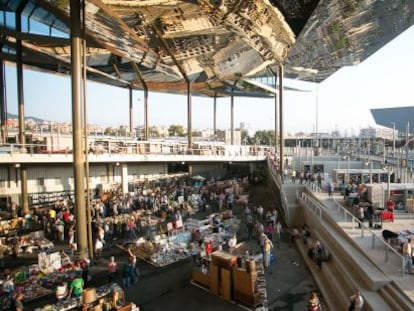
(110, 131)
(196, 133)
(153, 131)
(122, 131)
(264, 137)
(176, 130)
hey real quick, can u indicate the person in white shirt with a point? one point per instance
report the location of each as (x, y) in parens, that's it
(232, 243)
(62, 291)
(8, 287)
(260, 213)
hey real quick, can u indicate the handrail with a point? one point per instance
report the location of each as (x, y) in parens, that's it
(140, 148)
(279, 182)
(320, 206)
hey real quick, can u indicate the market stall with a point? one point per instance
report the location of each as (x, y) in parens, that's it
(25, 244)
(106, 297)
(164, 249)
(234, 278)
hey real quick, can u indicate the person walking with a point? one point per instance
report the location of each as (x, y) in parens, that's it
(360, 215)
(407, 254)
(112, 269)
(317, 253)
(268, 246)
(269, 230)
(278, 232)
(331, 188)
(126, 274)
(293, 176)
(313, 303)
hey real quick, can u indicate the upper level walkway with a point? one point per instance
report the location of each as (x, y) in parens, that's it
(139, 152)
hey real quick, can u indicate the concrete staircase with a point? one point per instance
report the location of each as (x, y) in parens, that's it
(295, 213)
(348, 269)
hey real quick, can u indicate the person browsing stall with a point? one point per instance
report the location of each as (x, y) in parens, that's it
(61, 291)
(76, 287)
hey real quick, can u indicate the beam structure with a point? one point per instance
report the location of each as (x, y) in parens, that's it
(188, 83)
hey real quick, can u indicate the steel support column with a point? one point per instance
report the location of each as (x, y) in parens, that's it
(215, 116)
(20, 100)
(131, 108)
(189, 118)
(86, 134)
(23, 180)
(145, 112)
(281, 140)
(78, 165)
(19, 77)
(232, 118)
(3, 107)
(276, 115)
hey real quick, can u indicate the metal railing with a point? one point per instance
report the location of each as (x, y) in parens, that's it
(137, 148)
(279, 182)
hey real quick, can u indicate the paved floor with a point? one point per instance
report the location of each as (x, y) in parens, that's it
(288, 280)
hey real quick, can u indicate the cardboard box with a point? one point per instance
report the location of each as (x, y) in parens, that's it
(201, 278)
(214, 279)
(223, 259)
(225, 284)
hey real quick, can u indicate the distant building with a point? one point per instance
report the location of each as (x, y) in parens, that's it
(225, 136)
(381, 132)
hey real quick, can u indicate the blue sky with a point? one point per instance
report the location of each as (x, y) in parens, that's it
(344, 99)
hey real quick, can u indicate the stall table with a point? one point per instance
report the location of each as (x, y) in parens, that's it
(387, 216)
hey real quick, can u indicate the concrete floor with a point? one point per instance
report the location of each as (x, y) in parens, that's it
(169, 288)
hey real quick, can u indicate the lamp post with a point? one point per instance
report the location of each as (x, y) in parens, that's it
(370, 171)
(393, 139)
(369, 162)
(388, 183)
(349, 168)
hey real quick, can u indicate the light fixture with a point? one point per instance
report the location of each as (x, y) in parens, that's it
(17, 165)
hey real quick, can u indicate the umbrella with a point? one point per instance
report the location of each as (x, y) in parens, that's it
(198, 177)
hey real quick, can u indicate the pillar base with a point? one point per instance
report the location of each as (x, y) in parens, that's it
(81, 255)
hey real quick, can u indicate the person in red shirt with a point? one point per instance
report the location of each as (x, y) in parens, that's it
(390, 205)
(66, 215)
(209, 249)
